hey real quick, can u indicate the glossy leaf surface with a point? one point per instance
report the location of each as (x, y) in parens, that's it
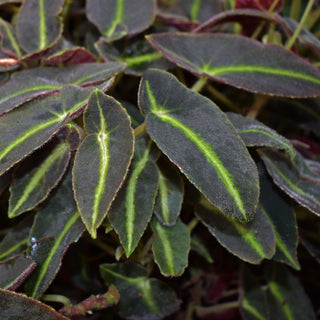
(200, 141)
(171, 247)
(14, 271)
(140, 297)
(256, 134)
(55, 227)
(31, 83)
(13, 305)
(133, 207)
(106, 154)
(33, 187)
(44, 29)
(128, 17)
(241, 62)
(251, 242)
(27, 128)
(295, 179)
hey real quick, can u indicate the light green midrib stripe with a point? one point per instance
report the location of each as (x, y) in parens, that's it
(279, 242)
(46, 263)
(195, 10)
(103, 139)
(218, 71)
(13, 248)
(204, 148)
(276, 291)
(251, 309)
(148, 57)
(130, 205)
(42, 26)
(166, 248)
(164, 198)
(249, 238)
(39, 174)
(13, 41)
(119, 16)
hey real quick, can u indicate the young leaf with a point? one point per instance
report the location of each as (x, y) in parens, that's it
(31, 188)
(256, 134)
(133, 206)
(55, 227)
(14, 271)
(283, 220)
(170, 195)
(171, 247)
(127, 16)
(140, 297)
(201, 142)
(241, 62)
(294, 178)
(15, 305)
(251, 242)
(45, 27)
(102, 161)
(31, 83)
(27, 128)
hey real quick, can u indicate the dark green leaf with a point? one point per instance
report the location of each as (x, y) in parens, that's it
(105, 154)
(170, 195)
(14, 271)
(124, 16)
(171, 247)
(256, 134)
(133, 206)
(134, 113)
(201, 142)
(56, 226)
(30, 188)
(200, 248)
(241, 62)
(295, 179)
(251, 242)
(140, 297)
(31, 83)
(27, 128)
(5, 181)
(14, 305)
(9, 42)
(44, 28)
(283, 220)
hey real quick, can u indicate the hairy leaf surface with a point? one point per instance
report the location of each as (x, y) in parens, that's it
(201, 142)
(105, 154)
(140, 297)
(241, 62)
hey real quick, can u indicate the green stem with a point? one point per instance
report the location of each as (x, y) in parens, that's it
(257, 106)
(140, 131)
(199, 85)
(305, 16)
(194, 222)
(57, 298)
(295, 9)
(204, 311)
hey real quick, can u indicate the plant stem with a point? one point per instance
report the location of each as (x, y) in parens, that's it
(305, 15)
(257, 106)
(295, 9)
(193, 223)
(204, 311)
(199, 85)
(57, 298)
(140, 131)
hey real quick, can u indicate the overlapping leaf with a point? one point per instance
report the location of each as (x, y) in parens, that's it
(115, 19)
(27, 128)
(44, 29)
(256, 134)
(56, 226)
(106, 154)
(201, 142)
(14, 271)
(9, 42)
(13, 305)
(171, 247)
(31, 83)
(251, 242)
(133, 206)
(198, 246)
(140, 297)
(31, 188)
(241, 62)
(294, 178)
